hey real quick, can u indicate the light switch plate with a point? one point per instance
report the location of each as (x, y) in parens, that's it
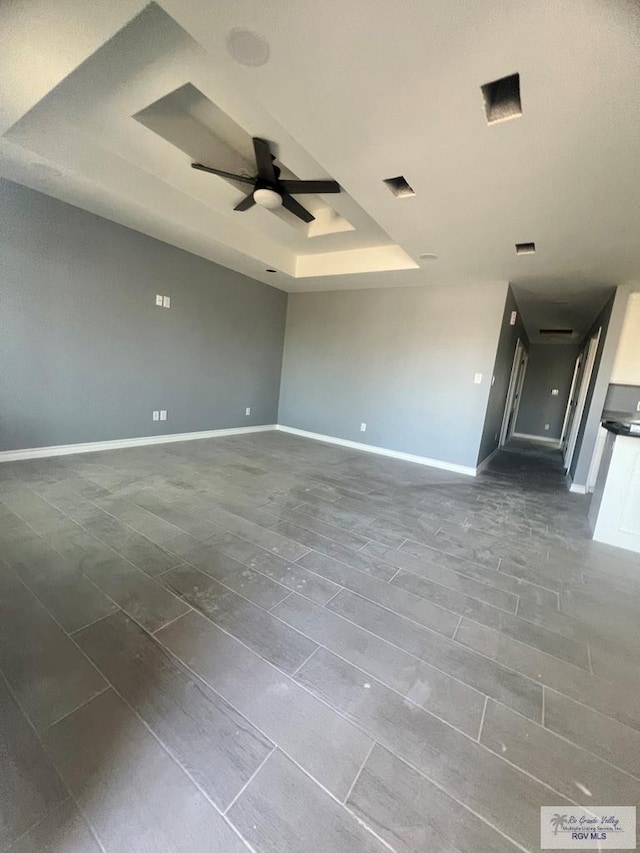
(554, 392)
(363, 427)
(514, 317)
(247, 411)
(156, 416)
(478, 379)
(159, 300)
(163, 414)
(166, 302)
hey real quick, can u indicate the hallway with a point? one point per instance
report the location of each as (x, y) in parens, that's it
(533, 464)
(263, 643)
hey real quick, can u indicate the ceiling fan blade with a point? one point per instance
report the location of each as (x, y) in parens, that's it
(229, 175)
(296, 208)
(310, 186)
(246, 203)
(264, 160)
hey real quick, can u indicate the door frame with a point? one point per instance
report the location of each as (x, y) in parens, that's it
(516, 381)
(570, 400)
(585, 381)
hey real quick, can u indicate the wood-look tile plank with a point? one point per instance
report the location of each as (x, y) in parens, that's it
(135, 796)
(385, 594)
(410, 812)
(329, 747)
(62, 830)
(284, 810)
(290, 575)
(29, 784)
(421, 683)
(47, 672)
(484, 783)
(276, 642)
(218, 747)
(520, 693)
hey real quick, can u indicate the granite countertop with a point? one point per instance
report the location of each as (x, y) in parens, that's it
(621, 423)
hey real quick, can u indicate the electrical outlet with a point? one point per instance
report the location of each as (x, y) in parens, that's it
(363, 427)
(478, 379)
(163, 414)
(158, 300)
(546, 426)
(156, 416)
(514, 317)
(247, 411)
(166, 302)
(554, 392)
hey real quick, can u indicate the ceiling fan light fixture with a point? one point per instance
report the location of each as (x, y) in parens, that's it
(267, 198)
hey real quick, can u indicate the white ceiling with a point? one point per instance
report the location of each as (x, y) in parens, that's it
(358, 91)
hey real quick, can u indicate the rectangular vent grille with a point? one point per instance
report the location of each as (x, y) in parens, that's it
(502, 99)
(525, 248)
(400, 187)
(556, 331)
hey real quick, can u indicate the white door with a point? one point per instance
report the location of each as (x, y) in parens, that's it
(576, 419)
(513, 394)
(571, 403)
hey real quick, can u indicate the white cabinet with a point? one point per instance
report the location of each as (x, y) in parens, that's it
(626, 368)
(618, 519)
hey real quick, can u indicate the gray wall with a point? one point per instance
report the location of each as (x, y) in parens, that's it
(502, 372)
(400, 360)
(610, 319)
(86, 356)
(550, 366)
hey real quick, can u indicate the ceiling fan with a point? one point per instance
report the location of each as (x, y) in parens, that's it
(268, 190)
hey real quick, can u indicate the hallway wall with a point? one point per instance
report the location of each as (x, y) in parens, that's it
(509, 335)
(401, 360)
(550, 367)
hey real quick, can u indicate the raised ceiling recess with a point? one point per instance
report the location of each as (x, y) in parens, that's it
(124, 129)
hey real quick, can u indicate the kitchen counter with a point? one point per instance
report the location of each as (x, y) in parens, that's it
(619, 427)
(614, 514)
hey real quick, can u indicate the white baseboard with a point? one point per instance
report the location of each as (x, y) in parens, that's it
(578, 489)
(486, 460)
(540, 438)
(93, 446)
(381, 451)
(122, 443)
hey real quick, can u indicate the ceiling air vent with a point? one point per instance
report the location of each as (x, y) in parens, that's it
(502, 99)
(400, 187)
(525, 248)
(556, 331)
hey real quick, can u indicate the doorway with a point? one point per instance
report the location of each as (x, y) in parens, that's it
(582, 374)
(518, 370)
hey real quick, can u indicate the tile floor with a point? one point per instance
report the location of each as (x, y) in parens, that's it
(266, 643)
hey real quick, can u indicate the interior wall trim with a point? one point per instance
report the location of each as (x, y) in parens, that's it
(578, 489)
(93, 446)
(481, 465)
(540, 438)
(142, 441)
(381, 451)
